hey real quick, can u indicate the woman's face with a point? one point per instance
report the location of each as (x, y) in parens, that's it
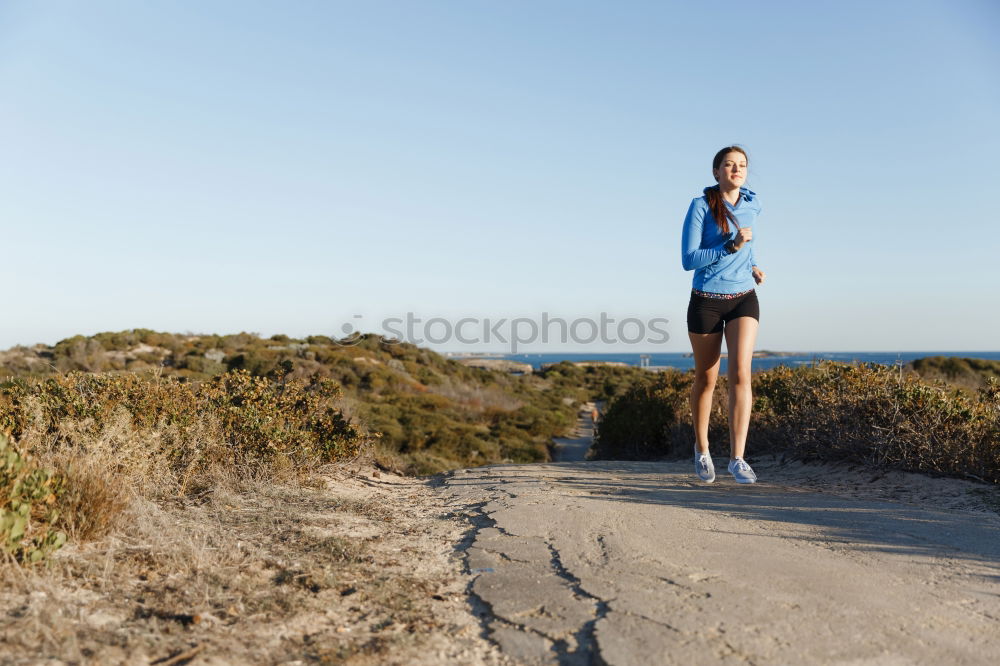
(732, 172)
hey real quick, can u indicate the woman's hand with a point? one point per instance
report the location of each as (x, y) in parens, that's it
(758, 275)
(742, 237)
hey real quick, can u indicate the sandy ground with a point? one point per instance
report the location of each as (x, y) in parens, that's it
(641, 563)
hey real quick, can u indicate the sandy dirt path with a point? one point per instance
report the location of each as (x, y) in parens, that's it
(575, 447)
(640, 563)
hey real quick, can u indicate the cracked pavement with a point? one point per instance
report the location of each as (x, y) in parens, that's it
(639, 563)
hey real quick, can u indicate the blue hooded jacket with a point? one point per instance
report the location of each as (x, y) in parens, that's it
(703, 251)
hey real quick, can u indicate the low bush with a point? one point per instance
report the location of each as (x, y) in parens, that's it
(252, 418)
(87, 443)
(874, 415)
(434, 413)
(652, 419)
(970, 373)
(29, 516)
(870, 414)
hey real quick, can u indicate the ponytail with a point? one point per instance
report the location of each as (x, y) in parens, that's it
(721, 214)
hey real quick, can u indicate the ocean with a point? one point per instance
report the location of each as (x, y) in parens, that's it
(683, 362)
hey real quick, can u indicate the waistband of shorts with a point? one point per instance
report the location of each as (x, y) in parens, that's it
(712, 294)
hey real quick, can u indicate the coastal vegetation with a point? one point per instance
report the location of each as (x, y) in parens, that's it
(970, 373)
(869, 414)
(78, 447)
(93, 423)
(424, 413)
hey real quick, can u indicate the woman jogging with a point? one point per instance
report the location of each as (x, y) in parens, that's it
(717, 244)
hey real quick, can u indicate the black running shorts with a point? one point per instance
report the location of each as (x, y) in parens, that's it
(708, 315)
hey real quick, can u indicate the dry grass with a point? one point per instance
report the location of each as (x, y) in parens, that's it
(251, 573)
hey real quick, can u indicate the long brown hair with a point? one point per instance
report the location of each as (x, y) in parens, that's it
(713, 196)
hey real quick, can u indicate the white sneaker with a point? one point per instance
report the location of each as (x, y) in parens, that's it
(704, 467)
(741, 471)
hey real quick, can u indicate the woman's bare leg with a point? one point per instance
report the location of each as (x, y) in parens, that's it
(707, 348)
(741, 335)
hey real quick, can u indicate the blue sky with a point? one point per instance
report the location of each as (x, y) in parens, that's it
(282, 167)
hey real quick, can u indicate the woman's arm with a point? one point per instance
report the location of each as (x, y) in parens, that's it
(693, 256)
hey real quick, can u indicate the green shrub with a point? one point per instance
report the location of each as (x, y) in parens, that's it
(429, 394)
(252, 418)
(970, 373)
(28, 515)
(870, 414)
(652, 419)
